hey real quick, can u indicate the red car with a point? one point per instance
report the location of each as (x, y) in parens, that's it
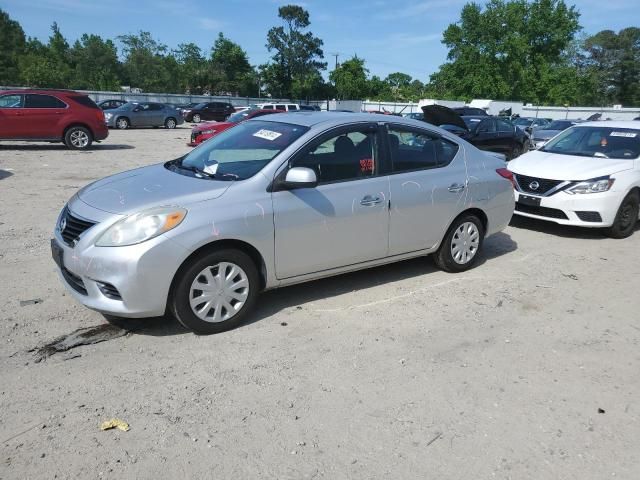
(51, 116)
(205, 131)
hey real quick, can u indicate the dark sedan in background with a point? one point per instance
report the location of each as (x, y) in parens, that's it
(217, 111)
(494, 134)
(542, 135)
(143, 114)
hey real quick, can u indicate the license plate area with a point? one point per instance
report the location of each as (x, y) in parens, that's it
(57, 253)
(529, 200)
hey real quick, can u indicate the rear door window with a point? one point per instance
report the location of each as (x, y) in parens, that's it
(282, 108)
(43, 101)
(11, 101)
(155, 106)
(418, 150)
(504, 126)
(87, 102)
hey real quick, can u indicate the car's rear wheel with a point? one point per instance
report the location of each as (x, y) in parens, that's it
(461, 245)
(196, 118)
(215, 291)
(626, 218)
(170, 123)
(78, 138)
(122, 123)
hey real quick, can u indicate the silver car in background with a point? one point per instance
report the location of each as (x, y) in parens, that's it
(274, 201)
(143, 114)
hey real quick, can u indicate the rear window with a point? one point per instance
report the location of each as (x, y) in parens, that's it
(86, 101)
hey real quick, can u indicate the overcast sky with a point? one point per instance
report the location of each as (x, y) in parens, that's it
(391, 35)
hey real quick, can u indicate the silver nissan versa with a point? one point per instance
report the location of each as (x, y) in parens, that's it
(274, 201)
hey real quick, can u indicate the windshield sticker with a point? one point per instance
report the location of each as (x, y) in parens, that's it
(623, 134)
(267, 134)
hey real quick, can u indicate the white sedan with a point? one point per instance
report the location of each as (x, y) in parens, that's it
(588, 175)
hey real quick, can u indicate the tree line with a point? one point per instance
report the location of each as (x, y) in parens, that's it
(529, 51)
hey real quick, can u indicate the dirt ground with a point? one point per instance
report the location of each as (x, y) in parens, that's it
(526, 367)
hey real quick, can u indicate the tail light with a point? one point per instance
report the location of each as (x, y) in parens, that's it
(506, 173)
(100, 115)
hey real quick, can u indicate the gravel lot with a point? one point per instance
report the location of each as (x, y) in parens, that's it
(526, 367)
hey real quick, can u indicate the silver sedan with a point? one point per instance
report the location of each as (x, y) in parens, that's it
(274, 201)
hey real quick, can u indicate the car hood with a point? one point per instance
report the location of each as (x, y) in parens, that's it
(539, 134)
(554, 166)
(440, 115)
(148, 187)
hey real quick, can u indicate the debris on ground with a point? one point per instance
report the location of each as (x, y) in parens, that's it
(115, 423)
(33, 301)
(570, 275)
(82, 336)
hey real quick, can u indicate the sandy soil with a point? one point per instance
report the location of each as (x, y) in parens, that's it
(526, 367)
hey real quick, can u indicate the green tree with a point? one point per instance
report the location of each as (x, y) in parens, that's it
(192, 67)
(47, 65)
(144, 63)
(504, 50)
(399, 85)
(614, 61)
(297, 53)
(96, 64)
(350, 79)
(230, 70)
(12, 40)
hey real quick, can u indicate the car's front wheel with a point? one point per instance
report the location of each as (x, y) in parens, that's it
(459, 248)
(626, 217)
(215, 291)
(122, 123)
(78, 138)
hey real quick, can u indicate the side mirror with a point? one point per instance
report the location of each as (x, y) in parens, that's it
(298, 177)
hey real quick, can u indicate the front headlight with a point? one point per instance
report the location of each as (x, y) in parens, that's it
(107, 116)
(141, 227)
(597, 185)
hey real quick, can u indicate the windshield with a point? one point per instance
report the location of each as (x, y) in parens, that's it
(558, 125)
(240, 152)
(603, 142)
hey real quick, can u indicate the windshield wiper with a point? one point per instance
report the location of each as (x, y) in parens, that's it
(196, 170)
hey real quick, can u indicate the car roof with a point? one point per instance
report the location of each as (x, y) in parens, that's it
(310, 119)
(633, 124)
(41, 90)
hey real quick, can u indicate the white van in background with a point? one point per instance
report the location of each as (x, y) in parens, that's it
(284, 107)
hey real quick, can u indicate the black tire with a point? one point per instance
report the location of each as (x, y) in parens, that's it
(444, 258)
(179, 301)
(78, 138)
(196, 118)
(516, 151)
(122, 123)
(170, 123)
(626, 218)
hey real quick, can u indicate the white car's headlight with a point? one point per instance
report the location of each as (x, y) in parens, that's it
(108, 115)
(141, 227)
(597, 185)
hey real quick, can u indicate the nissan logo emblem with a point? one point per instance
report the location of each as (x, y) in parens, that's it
(63, 224)
(534, 185)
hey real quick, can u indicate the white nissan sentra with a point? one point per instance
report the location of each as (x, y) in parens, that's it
(273, 201)
(588, 175)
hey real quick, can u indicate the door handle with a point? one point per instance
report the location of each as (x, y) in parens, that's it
(370, 201)
(456, 188)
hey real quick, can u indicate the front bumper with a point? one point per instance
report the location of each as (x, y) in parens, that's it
(578, 209)
(131, 281)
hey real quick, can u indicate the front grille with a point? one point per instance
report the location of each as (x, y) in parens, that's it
(74, 227)
(589, 217)
(74, 281)
(109, 291)
(544, 185)
(541, 211)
